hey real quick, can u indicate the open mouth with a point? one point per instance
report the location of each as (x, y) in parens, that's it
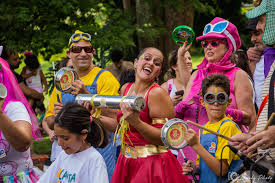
(147, 70)
(210, 54)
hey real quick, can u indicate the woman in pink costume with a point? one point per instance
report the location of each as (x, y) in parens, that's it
(18, 126)
(219, 40)
(143, 157)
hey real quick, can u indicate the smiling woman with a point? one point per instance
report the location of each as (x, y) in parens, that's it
(219, 40)
(143, 157)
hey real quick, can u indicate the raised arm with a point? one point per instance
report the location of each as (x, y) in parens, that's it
(244, 98)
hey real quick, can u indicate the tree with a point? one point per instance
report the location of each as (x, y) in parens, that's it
(45, 26)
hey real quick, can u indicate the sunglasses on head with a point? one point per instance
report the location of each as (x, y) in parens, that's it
(220, 98)
(217, 27)
(78, 49)
(78, 36)
(214, 43)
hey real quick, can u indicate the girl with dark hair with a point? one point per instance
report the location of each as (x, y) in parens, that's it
(34, 75)
(78, 134)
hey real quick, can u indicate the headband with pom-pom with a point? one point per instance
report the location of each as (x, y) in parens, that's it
(27, 53)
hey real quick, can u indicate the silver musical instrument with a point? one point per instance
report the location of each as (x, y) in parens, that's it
(64, 78)
(136, 103)
(172, 133)
(3, 91)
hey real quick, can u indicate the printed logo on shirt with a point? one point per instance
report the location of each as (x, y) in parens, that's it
(212, 148)
(64, 175)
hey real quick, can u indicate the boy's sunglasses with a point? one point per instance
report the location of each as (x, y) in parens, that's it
(214, 43)
(220, 98)
(78, 49)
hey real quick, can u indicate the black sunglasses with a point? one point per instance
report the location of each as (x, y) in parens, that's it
(78, 49)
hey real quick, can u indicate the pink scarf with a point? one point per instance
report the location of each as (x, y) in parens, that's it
(8, 79)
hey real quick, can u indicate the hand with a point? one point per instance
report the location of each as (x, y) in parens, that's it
(254, 55)
(187, 167)
(78, 87)
(57, 108)
(129, 114)
(89, 107)
(176, 99)
(262, 139)
(183, 49)
(52, 135)
(239, 141)
(191, 137)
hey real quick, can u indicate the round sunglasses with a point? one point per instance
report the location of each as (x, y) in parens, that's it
(220, 98)
(214, 43)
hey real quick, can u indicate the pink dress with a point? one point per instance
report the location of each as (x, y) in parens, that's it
(161, 167)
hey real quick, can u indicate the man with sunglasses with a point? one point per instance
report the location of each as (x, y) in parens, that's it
(259, 139)
(92, 80)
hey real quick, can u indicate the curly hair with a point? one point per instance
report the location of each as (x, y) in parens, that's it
(218, 80)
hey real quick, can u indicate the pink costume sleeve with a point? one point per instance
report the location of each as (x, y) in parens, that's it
(180, 109)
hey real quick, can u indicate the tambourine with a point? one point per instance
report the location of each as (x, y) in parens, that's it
(183, 33)
(136, 103)
(3, 91)
(64, 78)
(172, 133)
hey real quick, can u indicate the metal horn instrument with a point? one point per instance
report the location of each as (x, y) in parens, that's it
(136, 103)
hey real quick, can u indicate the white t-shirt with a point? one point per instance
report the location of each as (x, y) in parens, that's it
(34, 82)
(259, 79)
(56, 149)
(85, 166)
(14, 161)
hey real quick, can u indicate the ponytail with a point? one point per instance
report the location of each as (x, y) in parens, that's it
(97, 135)
(75, 118)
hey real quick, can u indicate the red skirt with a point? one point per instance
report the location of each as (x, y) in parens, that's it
(161, 168)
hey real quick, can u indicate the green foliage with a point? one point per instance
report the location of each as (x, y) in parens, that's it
(42, 147)
(45, 26)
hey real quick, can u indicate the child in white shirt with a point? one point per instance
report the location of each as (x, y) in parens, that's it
(78, 135)
(34, 75)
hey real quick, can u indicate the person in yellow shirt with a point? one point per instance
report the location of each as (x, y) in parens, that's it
(209, 147)
(92, 80)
